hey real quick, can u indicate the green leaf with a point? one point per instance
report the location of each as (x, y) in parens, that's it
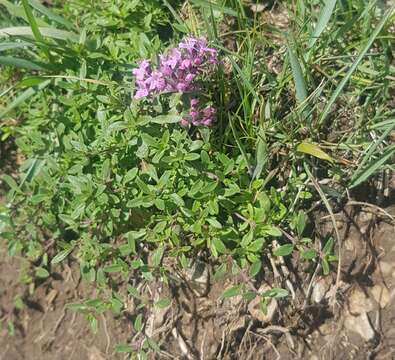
(10, 328)
(301, 222)
(130, 175)
(220, 272)
(261, 157)
(153, 345)
(45, 31)
(276, 293)
(263, 305)
(76, 307)
(231, 292)
(138, 323)
(61, 256)
(50, 15)
(309, 254)
(133, 291)
(113, 268)
(313, 150)
(94, 303)
(123, 348)
(157, 256)
(36, 199)
(247, 238)
(166, 119)
(14, 45)
(219, 246)
(192, 156)
(21, 63)
(249, 295)
(31, 81)
(325, 266)
(35, 30)
(35, 166)
(163, 303)
(42, 273)
(272, 230)
(160, 204)
(284, 250)
(362, 174)
(177, 199)
(214, 223)
(364, 171)
(11, 183)
(300, 85)
(255, 268)
(93, 323)
(256, 245)
(323, 20)
(328, 246)
(106, 170)
(22, 98)
(18, 11)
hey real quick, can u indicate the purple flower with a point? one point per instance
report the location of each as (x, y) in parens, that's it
(200, 117)
(140, 93)
(184, 122)
(185, 64)
(189, 44)
(194, 114)
(194, 102)
(141, 72)
(182, 86)
(183, 69)
(142, 90)
(156, 81)
(209, 111)
(189, 77)
(173, 59)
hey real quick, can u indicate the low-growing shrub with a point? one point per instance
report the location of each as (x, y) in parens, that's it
(139, 155)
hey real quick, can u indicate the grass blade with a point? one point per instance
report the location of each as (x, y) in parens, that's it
(13, 45)
(21, 63)
(323, 20)
(45, 31)
(207, 5)
(36, 32)
(245, 80)
(33, 170)
(22, 98)
(174, 13)
(50, 15)
(372, 149)
(17, 101)
(262, 155)
(19, 12)
(373, 166)
(300, 84)
(241, 147)
(353, 67)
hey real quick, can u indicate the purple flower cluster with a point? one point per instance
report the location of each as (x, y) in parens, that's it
(199, 116)
(179, 71)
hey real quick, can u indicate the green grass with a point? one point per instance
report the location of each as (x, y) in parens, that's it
(300, 99)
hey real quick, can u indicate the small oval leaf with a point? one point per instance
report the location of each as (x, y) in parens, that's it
(284, 250)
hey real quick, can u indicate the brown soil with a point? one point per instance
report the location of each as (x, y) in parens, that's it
(44, 329)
